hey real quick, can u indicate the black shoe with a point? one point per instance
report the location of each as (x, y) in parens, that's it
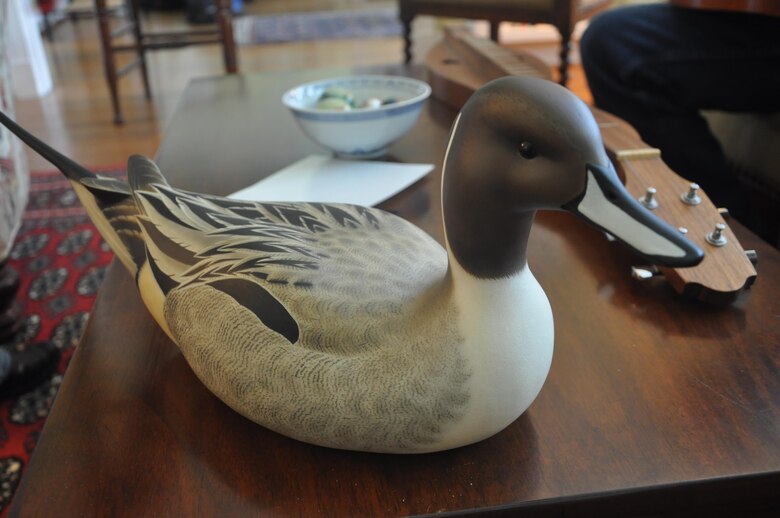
(22, 371)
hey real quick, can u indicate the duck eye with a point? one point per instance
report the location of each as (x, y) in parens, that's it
(527, 150)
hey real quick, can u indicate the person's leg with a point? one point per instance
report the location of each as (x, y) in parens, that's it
(657, 66)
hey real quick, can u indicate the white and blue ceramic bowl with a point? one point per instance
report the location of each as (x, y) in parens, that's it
(360, 132)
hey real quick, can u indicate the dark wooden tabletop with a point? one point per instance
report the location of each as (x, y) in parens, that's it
(655, 405)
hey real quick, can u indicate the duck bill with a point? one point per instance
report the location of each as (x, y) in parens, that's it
(606, 204)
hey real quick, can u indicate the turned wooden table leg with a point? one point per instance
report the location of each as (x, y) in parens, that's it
(406, 22)
(563, 77)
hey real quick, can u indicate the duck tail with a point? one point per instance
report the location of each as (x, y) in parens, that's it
(108, 201)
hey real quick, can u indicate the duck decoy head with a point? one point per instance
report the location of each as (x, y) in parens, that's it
(543, 150)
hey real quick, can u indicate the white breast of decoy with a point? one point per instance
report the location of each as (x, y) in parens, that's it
(507, 329)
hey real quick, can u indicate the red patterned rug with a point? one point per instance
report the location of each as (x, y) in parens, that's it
(61, 261)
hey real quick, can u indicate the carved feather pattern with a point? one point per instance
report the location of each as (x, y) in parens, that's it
(216, 236)
(327, 309)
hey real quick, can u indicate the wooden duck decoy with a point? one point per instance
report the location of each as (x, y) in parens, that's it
(349, 327)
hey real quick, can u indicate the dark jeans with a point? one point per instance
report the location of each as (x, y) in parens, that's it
(656, 66)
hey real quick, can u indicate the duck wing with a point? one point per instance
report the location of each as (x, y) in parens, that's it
(327, 323)
(288, 263)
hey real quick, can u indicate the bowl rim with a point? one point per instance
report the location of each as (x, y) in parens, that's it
(423, 95)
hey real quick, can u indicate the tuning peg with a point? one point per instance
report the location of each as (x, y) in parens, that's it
(752, 255)
(642, 273)
(648, 200)
(716, 237)
(692, 196)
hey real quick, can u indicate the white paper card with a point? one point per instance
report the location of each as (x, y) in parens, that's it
(322, 178)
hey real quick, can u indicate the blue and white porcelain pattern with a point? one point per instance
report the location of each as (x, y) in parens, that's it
(349, 327)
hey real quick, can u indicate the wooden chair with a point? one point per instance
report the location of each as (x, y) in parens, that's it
(143, 41)
(563, 14)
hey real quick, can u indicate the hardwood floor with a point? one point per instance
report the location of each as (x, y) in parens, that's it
(76, 115)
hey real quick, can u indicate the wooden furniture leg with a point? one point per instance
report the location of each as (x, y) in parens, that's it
(109, 64)
(563, 68)
(406, 23)
(141, 49)
(494, 26)
(47, 28)
(225, 24)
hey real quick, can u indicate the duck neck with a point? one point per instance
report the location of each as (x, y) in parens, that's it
(488, 244)
(483, 232)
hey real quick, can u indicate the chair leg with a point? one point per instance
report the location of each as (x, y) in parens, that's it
(494, 26)
(406, 22)
(225, 24)
(47, 28)
(564, 55)
(140, 47)
(109, 66)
